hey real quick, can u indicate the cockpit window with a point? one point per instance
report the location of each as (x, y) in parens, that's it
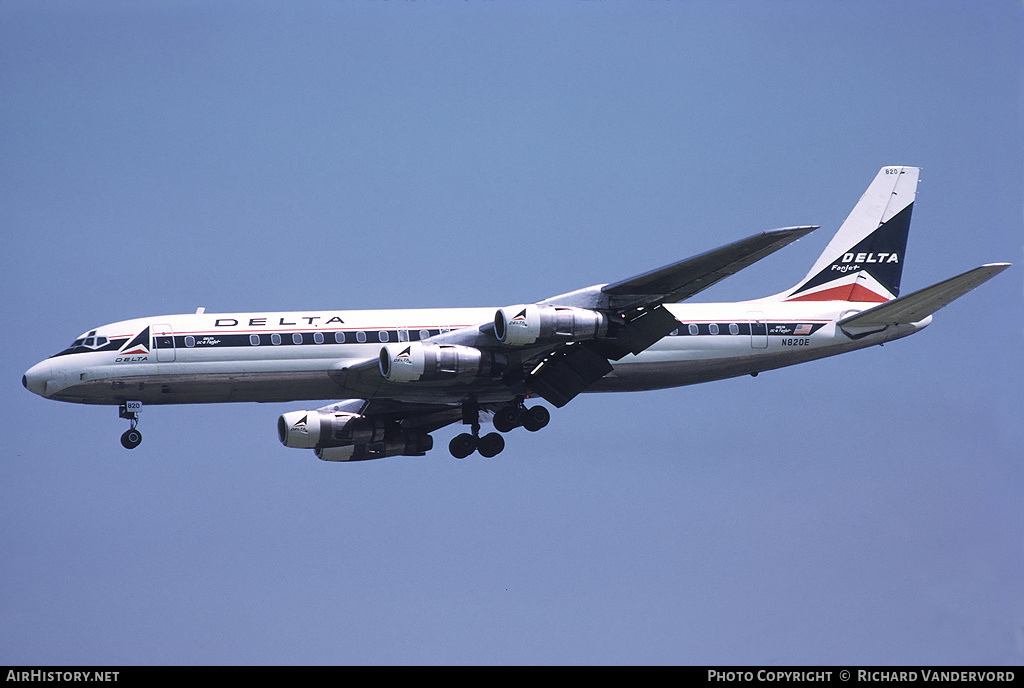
(90, 342)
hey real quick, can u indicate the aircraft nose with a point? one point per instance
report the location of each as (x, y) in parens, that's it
(34, 379)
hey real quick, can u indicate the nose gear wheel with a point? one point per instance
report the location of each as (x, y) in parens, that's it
(132, 437)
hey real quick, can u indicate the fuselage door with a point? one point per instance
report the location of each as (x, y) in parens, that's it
(163, 342)
(758, 330)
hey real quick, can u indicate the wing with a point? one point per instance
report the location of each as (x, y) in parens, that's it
(636, 304)
(559, 369)
(679, 281)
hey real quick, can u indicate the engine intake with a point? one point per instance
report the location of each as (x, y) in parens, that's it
(415, 361)
(527, 324)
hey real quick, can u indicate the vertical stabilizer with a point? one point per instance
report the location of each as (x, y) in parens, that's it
(864, 260)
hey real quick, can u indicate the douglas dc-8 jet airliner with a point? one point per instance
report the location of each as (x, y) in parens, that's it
(402, 374)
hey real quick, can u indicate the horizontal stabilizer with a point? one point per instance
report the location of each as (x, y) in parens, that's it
(685, 278)
(916, 307)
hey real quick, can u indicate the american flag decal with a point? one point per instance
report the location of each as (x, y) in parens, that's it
(802, 329)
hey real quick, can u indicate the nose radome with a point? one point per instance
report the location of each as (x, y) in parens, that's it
(34, 379)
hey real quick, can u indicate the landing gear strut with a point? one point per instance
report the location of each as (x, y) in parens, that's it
(129, 410)
(461, 446)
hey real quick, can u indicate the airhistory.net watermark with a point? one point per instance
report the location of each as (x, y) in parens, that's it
(31, 675)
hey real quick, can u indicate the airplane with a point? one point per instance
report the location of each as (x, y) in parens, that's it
(403, 374)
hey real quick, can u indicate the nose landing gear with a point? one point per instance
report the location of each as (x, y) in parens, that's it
(129, 410)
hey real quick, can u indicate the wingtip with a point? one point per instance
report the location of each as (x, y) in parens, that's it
(993, 269)
(790, 234)
(799, 230)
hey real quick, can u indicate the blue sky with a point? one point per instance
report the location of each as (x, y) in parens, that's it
(322, 155)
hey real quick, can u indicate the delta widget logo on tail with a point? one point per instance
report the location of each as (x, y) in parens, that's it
(868, 268)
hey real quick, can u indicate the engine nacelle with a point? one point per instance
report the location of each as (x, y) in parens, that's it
(416, 361)
(321, 429)
(528, 324)
(402, 444)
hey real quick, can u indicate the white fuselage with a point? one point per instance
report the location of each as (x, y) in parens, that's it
(271, 357)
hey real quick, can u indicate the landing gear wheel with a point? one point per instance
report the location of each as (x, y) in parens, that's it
(131, 439)
(129, 410)
(462, 445)
(490, 445)
(535, 418)
(507, 418)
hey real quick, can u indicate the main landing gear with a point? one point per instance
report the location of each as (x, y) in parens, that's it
(461, 446)
(130, 411)
(489, 446)
(506, 419)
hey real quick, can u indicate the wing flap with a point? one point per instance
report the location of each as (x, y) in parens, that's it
(639, 333)
(563, 375)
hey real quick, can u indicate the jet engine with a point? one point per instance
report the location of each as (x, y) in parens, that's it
(525, 325)
(416, 361)
(319, 429)
(340, 436)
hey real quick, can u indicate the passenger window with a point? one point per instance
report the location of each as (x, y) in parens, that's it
(424, 334)
(339, 337)
(713, 328)
(383, 336)
(693, 329)
(190, 341)
(318, 337)
(360, 337)
(254, 339)
(275, 339)
(734, 328)
(296, 338)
